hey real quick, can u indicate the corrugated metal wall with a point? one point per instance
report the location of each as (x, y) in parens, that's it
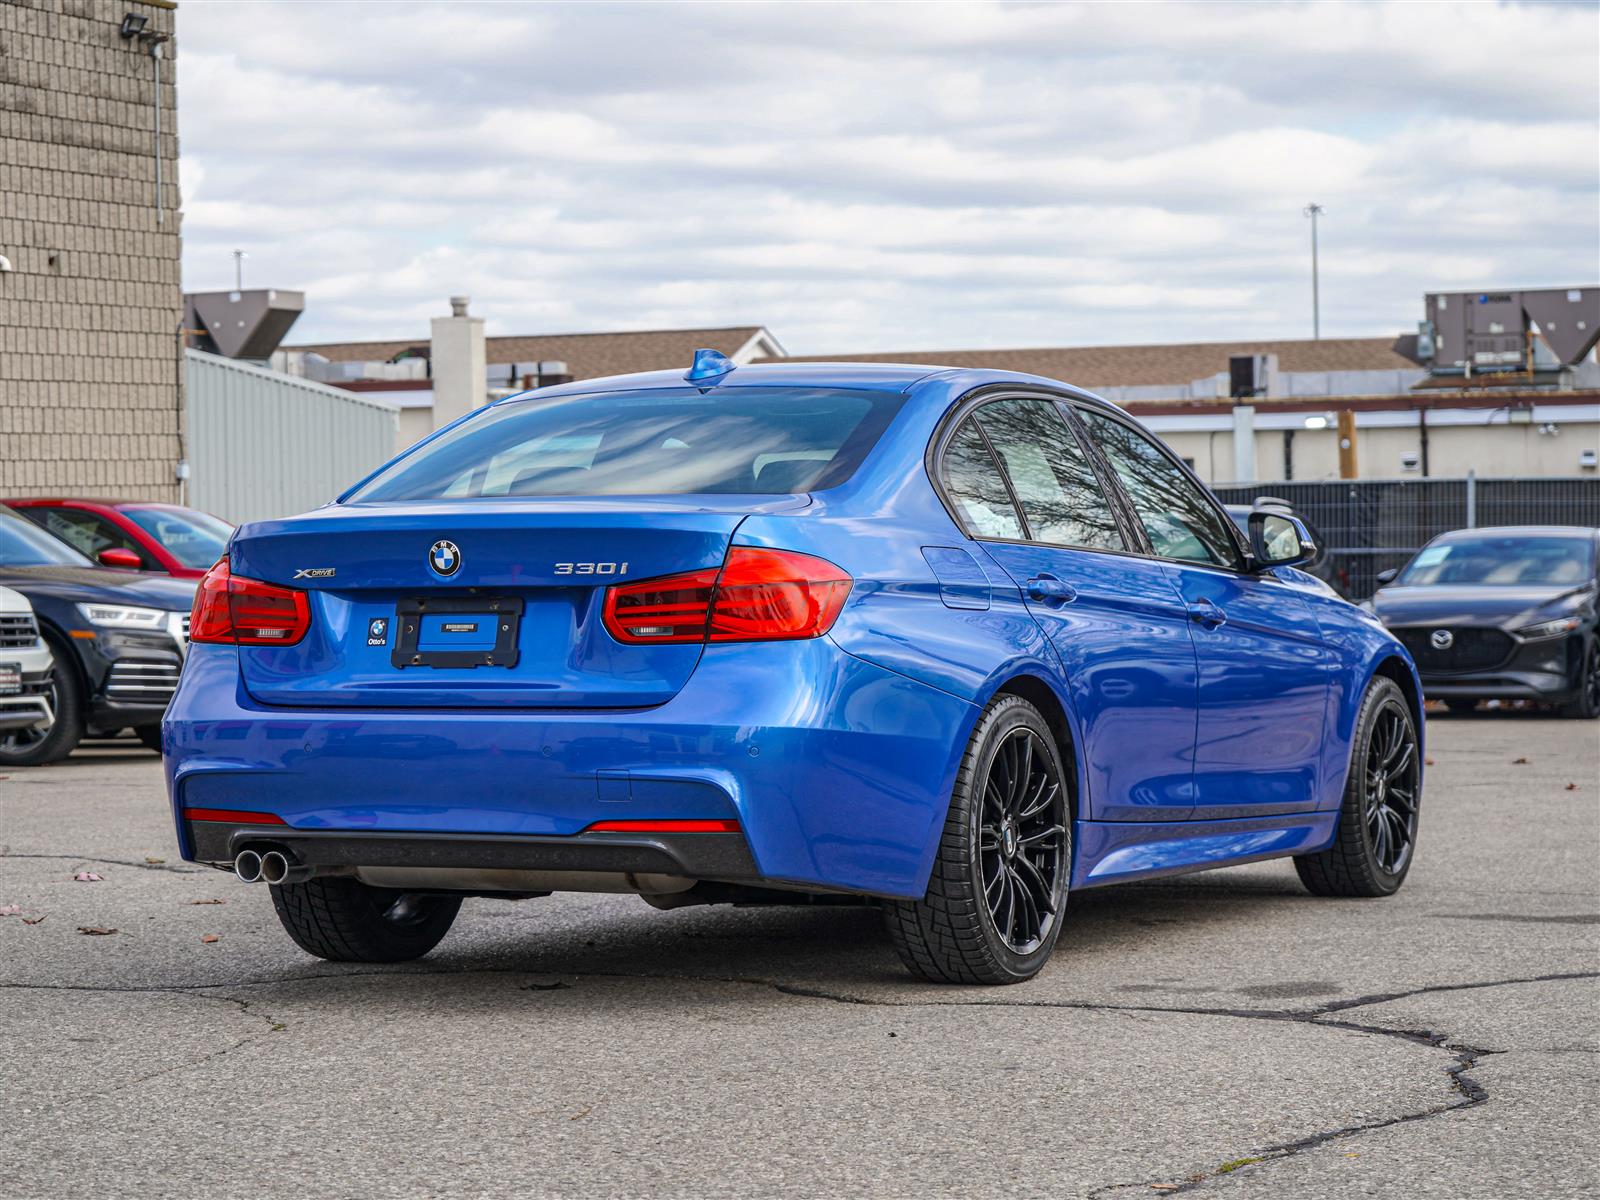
(261, 444)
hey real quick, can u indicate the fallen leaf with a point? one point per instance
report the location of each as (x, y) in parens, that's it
(94, 930)
(1519, 762)
(87, 877)
(211, 937)
(208, 902)
(31, 920)
(157, 861)
(1427, 762)
(10, 910)
(1572, 787)
(581, 1113)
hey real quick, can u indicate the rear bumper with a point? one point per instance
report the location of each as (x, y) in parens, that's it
(721, 856)
(838, 771)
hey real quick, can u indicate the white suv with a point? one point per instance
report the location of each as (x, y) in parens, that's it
(25, 665)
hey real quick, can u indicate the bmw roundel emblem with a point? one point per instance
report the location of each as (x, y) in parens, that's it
(444, 557)
(1441, 639)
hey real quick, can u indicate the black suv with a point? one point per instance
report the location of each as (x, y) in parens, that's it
(118, 639)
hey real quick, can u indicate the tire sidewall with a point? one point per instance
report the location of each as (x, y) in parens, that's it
(1014, 715)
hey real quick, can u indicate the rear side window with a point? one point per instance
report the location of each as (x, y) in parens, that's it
(1050, 474)
(972, 482)
(743, 441)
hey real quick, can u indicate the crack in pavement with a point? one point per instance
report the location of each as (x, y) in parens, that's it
(244, 1006)
(1464, 1057)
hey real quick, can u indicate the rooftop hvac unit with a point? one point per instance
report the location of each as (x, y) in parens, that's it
(245, 325)
(1479, 333)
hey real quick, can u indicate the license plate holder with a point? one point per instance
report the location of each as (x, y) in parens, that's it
(504, 611)
(10, 679)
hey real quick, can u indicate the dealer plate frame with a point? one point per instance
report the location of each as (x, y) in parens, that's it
(507, 611)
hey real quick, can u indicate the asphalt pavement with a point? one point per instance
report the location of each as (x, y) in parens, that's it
(1224, 1034)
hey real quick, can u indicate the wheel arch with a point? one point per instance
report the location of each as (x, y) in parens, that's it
(1395, 668)
(1038, 692)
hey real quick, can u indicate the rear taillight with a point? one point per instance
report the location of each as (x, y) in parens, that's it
(758, 595)
(231, 609)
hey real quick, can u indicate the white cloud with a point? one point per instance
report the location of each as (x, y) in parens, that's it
(887, 176)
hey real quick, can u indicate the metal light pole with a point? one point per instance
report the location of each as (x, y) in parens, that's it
(1313, 211)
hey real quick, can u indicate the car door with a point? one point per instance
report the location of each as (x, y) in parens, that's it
(1263, 664)
(1026, 490)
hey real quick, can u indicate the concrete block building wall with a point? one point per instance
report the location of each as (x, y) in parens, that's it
(91, 368)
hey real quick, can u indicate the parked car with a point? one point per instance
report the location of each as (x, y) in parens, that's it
(135, 535)
(118, 639)
(1320, 564)
(25, 662)
(1502, 614)
(952, 641)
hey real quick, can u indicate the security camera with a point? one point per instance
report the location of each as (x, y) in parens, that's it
(5, 265)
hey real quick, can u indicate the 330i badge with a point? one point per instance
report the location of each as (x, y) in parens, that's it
(951, 642)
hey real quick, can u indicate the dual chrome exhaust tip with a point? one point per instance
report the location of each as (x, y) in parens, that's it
(271, 866)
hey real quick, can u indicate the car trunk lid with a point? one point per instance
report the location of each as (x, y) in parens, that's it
(483, 604)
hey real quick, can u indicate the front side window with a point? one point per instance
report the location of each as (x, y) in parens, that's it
(1050, 474)
(741, 441)
(1178, 519)
(86, 532)
(972, 482)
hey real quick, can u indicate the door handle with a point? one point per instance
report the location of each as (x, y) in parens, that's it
(1206, 613)
(1047, 589)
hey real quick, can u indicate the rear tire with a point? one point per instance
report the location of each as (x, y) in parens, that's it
(36, 746)
(1459, 707)
(343, 920)
(1377, 836)
(149, 736)
(998, 892)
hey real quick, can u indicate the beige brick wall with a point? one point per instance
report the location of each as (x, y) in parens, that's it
(90, 369)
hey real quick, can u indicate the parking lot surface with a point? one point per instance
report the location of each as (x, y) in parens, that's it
(1225, 1034)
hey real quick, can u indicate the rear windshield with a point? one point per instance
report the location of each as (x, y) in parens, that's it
(747, 441)
(1504, 561)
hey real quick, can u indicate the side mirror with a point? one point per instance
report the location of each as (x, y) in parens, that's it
(1387, 576)
(115, 556)
(1279, 539)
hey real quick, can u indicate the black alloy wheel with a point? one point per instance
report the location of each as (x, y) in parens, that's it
(1376, 838)
(997, 894)
(1391, 787)
(1021, 840)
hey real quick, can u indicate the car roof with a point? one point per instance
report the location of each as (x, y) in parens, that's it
(95, 501)
(1531, 531)
(885, 377)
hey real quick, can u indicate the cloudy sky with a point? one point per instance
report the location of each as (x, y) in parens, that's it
(889, 176)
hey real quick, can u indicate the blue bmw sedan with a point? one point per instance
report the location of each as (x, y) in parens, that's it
(953, 642)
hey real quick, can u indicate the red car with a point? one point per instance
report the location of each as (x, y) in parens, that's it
(133, 534)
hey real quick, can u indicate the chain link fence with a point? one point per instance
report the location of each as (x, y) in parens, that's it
(1372, 524)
